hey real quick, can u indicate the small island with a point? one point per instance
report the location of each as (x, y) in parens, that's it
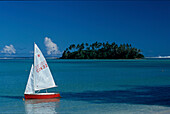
(99, 50)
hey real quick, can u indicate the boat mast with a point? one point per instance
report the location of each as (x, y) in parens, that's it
(34, 68)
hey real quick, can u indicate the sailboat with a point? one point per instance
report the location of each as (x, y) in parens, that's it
(40, 78)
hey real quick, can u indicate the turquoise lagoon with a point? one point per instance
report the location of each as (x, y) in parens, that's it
(90, 86)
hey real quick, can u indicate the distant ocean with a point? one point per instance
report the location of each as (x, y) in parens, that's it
(90, 86)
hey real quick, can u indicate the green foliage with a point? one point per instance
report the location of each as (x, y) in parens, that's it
(101, 51)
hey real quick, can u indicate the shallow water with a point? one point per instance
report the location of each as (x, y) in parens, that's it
(90, 86)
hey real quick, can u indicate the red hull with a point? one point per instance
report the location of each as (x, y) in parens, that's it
(42, 96)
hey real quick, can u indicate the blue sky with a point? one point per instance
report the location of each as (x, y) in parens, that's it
(144, 24)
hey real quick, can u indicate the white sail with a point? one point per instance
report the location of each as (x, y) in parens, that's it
(42, 74)
(30, 84)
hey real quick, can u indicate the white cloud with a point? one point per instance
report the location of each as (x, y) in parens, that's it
(163, 57)
(160, 57)
(52, 48)
(9, 49)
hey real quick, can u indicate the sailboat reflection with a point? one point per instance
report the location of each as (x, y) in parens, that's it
(34, 106)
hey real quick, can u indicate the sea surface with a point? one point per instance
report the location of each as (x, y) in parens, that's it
(90, 86)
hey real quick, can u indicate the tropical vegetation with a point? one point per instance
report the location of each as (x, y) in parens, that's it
(99, 50)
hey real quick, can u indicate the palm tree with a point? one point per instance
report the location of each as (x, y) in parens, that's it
(113, 44)
(78, 46)
(73, 46)
(96, 45)
(82, 46)
(99, 45)
(92, 46)
(66, 49)
(102, 51)
(88, 48)
(70, 47)
(87, 44)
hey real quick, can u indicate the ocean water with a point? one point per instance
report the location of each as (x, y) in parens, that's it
(90, 86)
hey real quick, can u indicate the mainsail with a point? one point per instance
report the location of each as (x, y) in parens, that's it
(30, 84)
(42, 75)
